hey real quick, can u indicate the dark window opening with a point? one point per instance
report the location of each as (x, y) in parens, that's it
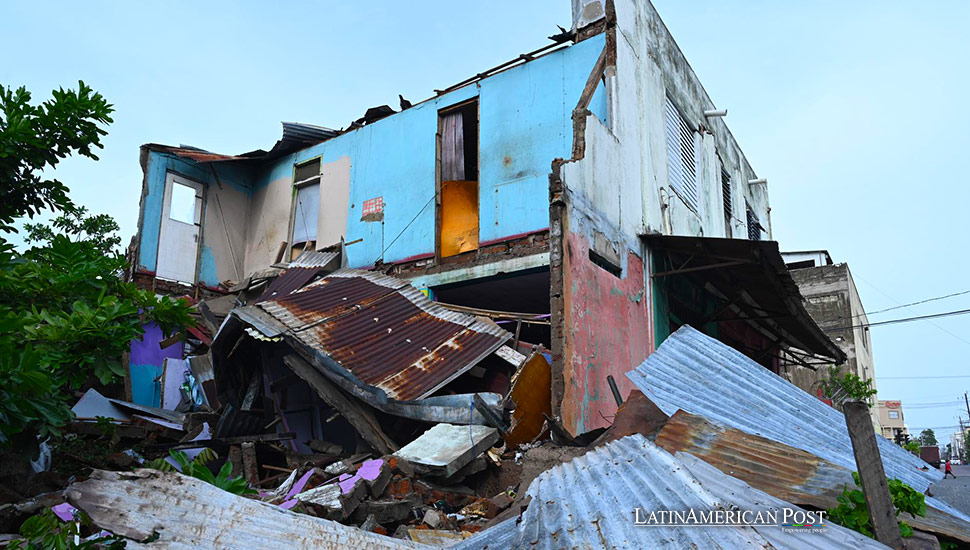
(604, 263)
(521, 292)
(458, 212)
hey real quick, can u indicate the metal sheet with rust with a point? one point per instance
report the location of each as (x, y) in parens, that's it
(781, 471)
(385, 332)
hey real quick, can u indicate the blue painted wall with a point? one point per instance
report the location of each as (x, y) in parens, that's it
(525, 123)
(159, 164)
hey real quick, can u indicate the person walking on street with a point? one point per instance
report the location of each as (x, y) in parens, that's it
(949, 471)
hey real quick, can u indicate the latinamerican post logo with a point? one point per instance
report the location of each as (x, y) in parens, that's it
(789, 520)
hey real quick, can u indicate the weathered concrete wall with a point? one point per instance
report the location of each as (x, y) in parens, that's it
(607, 328)
(224, 220)
(833, 302)
(616, 188)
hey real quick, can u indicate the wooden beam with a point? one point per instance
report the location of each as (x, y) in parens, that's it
(868, 461)
(357, 414)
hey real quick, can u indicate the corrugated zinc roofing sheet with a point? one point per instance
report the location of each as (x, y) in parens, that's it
(700, 375)
(385, 332)
(589, 502)
(300, 272)
(782, 471)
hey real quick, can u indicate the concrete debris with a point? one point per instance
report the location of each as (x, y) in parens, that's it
(445, 449)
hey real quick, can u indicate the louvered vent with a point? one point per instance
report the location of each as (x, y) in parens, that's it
(754, 226)
(726, 196)
(682, 145)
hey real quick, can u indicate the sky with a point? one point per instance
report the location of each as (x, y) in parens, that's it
(856, 112)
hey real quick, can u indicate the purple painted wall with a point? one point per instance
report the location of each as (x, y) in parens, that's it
(145, 365)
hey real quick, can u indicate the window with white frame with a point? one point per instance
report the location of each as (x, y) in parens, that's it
(683, 145)
(306, 211)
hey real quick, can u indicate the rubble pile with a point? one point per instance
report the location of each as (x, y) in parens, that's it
(336, 408)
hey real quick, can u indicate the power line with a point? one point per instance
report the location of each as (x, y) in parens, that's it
(912, 303)
(965, 341)
(921, 377)
(903, 320)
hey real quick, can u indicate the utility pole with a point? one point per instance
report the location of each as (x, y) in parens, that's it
(967, 401)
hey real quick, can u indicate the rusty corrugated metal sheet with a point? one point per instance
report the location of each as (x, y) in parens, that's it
(784, 472)
(778, 469)
(300, 272)
(385, 332)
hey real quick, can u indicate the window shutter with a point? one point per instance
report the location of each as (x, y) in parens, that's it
(682, 145)
(754, 226)
(727, 199)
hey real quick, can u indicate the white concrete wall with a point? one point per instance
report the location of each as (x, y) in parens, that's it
(624, 172)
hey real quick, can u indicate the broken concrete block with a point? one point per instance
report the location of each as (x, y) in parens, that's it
(376, 474)
(369, 524)
(497, 504)
(337, 468)
(325, 447)
(387, 511)
(432, 518)
(337, 500)
(445, 448)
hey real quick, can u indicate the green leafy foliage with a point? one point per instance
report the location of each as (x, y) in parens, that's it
(197, 468)
(66, 316)
(853, 512)
(927, 437)
(913, 447)
(841, 386)
(35, 138)
(45, 531)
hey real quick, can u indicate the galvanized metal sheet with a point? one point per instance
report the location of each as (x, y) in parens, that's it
(186, 513)
(698, 374)
(589, 502)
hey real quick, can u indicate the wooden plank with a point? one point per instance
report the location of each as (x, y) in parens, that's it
(223, 441)
(882, 513)
(250, 466)
(513, 357)
(356, 413)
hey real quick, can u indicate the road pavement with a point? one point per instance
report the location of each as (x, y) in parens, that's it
(955, 492)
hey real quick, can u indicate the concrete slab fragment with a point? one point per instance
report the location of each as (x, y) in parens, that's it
(445, 448)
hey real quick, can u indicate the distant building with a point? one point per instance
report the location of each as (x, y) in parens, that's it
(891, 419)
(958, 446)
(833, 302)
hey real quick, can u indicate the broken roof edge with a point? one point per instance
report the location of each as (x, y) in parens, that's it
(296, 137)
(429, 408)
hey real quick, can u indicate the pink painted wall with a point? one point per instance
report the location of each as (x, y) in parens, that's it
(608, 331)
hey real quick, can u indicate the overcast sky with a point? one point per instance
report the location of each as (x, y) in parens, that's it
(856, 112)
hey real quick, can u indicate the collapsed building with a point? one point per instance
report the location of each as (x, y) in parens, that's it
(586, 196)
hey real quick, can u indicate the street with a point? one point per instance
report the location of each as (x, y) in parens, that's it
(955, 492)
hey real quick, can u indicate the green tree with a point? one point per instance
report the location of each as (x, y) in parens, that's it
(66, 315)
(927, 438)
(35, 138)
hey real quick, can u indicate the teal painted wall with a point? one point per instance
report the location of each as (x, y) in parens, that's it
(525, 123)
